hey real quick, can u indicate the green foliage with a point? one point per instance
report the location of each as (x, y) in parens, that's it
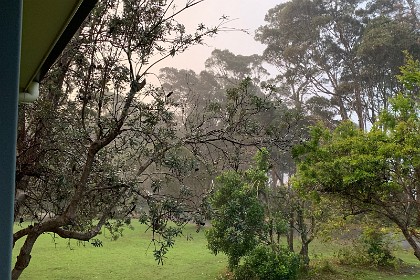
(324, 267)
(96, 242)
(238, 222)
(410, 72)
(238, 218)
(269, 263)
(341, 161)
(350, 162)
(377, 247)
(373, 248)
(376, 171)
(262, 160)
(280, 225)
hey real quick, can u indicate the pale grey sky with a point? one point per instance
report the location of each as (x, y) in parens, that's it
(247, 14)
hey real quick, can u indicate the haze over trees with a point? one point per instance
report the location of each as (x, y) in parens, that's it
(103, 146)
(340, 55)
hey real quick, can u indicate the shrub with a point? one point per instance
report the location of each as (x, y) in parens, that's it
(373, 249)
(226, 275)
(268, 263)
(377, 247)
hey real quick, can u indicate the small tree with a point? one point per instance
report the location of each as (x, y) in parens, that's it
(238, 222)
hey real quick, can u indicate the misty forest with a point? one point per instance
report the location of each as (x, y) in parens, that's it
(302, 162)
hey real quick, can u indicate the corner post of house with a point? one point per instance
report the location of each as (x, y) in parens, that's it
(10, 42)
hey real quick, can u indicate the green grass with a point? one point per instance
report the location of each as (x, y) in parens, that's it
(126, 258)
(325, 267)
(332, 271)
(129, 258)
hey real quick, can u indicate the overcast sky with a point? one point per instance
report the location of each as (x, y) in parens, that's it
(245, 14)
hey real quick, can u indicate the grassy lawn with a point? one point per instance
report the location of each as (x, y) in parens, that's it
(126, 258)
(129, 258)
(326, 267)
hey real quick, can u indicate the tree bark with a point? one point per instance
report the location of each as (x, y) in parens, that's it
(409, 237)
(290, 234)
(359, 106)
(304, 251)
(24, 256)
(417, 204)
(306, 234)
(342, 109)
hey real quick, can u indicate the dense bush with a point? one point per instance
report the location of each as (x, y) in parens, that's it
(268, 263)
(373, 248)
(238, 224)
(238, 220)
(377, 247)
